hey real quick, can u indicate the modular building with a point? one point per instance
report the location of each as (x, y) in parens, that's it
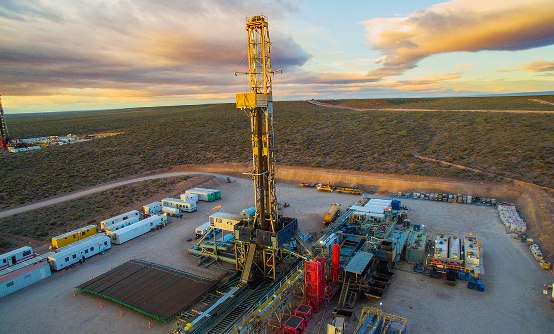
(79, 251)
(23, 274)
(176, 212)
(131, 215)
(225, 221)
(152, 208)
(189, 197)
(73, 236)
(181, 204)
(137, 229)
(14, 257)
(207, 195)
(115, 227)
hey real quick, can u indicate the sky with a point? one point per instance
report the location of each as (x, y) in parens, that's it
(65, 55)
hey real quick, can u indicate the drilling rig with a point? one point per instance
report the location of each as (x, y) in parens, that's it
(258, 246)
(4, 135)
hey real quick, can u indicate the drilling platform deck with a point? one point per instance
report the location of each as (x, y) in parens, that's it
(151, 289)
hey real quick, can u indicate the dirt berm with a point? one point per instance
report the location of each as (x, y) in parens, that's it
(535, 203)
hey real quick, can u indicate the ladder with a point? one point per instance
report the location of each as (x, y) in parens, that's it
(304, 245)
(248, 264)
(344, 293)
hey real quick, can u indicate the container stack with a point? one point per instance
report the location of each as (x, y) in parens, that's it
(511, 219)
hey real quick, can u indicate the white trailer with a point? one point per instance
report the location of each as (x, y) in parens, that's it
(138, 229)
(175, 212)
(180, 204)
(118, 226)
(190, 197)
(152, 208)
(14, 257)
(225, 221)
(202, 229)
(131, 215)
(23, 274)
(79, 251)
(204, 194)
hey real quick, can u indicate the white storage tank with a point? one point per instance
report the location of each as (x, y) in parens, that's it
(78, 251)
(454, 250)
(131, 215)
(152, 208)
(138, 229)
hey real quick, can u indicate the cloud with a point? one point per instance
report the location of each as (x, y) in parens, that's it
(539, 66)
(155, 48)
(459, 25)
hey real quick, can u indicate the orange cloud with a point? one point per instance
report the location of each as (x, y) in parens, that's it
(459, 25)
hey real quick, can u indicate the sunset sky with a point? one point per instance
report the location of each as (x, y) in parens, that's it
(60, 55)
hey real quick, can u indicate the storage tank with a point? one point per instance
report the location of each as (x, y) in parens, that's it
(454, 249)
(332, 214)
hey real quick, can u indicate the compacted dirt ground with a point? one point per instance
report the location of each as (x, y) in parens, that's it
(512, 302)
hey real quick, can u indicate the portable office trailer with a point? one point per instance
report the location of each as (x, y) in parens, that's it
(138, 229)
(215, 191)
(207, 195)
(202, 229)
(111, 229)
(14, 257)
(180, 204)
(131, 215)
(225, 221)
(152, 208)
(23, 274)
(176, 212)
(73, 236)
(189, 197)
(79, 251)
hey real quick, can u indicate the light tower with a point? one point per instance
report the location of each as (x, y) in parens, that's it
(4, 135)
(259, 242)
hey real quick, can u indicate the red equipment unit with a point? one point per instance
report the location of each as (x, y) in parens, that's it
(335, 265)
(314, 282)
(293, 325)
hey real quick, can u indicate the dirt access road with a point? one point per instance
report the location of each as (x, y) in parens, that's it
(87, 192)
(328, 105)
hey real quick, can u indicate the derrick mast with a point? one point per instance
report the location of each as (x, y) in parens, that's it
(4, 135)
(258, 244)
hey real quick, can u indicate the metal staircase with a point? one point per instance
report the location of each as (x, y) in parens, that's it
(248, 264)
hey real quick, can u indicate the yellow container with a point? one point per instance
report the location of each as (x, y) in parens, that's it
(545, 265)
(73, 236)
